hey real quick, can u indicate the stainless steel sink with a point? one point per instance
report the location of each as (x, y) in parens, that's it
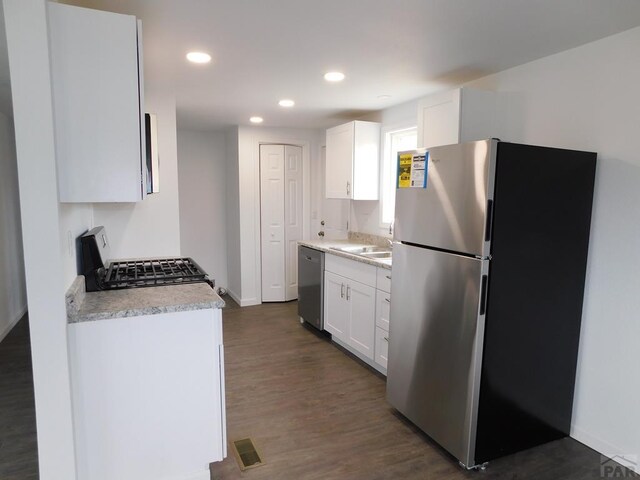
(386, 254)
(371, 251)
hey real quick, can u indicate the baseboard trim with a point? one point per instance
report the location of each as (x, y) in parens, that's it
(605, 448)
(235, 297)
(250, 302)
(13, 323)
(246, 302)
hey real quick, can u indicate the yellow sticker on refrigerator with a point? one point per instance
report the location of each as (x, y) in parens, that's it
(412, 170)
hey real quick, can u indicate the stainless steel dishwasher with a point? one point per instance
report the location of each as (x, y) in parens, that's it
(311, 286)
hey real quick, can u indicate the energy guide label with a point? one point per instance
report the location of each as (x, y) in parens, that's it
(412, 170)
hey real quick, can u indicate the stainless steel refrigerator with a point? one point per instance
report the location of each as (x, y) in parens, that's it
(489, 259)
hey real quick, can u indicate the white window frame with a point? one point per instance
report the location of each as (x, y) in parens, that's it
(384, 158)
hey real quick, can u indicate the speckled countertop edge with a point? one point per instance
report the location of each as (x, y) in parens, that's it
(85, 306)
(326, 246)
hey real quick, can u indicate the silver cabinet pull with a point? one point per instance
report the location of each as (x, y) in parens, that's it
(386, 339)
(342, 291)
(387, 300)
(348, 292)
(348, 188)
(388, 276)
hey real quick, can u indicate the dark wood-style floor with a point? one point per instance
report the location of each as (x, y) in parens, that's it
(314, 412)
(18, 444)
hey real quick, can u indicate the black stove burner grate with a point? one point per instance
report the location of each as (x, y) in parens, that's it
(153, 272)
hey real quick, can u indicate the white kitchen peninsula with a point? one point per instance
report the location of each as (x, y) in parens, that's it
(147, 373)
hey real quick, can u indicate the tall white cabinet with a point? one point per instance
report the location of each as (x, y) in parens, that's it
(280, 220)
(456, 116)
(352, 163)
(96, 66)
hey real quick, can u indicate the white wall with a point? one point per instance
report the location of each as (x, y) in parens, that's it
(150, 228)
(13, 295)
(365, 214)
(249, 140)
(234, 261)
(588, 98)
(27, 39)
(202, 180)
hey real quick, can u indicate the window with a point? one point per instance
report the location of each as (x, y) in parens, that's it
(394, 141)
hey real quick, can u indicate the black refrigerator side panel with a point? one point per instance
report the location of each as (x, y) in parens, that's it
(540, 241)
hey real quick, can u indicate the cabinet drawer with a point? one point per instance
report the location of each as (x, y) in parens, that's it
(351, 269)
(383, 307)
(383, 280)
(382, 347)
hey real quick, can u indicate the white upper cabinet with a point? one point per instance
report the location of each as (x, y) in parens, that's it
(352, 163)
(456, 116)
(96, 63)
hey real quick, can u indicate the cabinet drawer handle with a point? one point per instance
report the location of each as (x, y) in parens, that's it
(348, 188)
(388, 276)
(387, 300)
(348, 292)
(342, 291)
(386, 339)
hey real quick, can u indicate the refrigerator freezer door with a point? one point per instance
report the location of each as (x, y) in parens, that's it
(452, 212)
(435, 344)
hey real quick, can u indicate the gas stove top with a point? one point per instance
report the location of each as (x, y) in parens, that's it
(146, 273)
(133, 273)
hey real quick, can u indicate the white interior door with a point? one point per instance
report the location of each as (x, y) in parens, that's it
(292, 217)
(333, 212)
(272, 229)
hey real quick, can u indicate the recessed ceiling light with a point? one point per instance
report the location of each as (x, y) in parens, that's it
(286, 103)
(334, 76)
(256, 119)
(384, 97)
(198, 57)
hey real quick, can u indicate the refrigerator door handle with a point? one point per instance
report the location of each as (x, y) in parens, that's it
(489, 224)
(483, 295)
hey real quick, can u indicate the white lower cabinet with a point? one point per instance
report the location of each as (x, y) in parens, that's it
(148, 396)
(355, 310)
(349, 312)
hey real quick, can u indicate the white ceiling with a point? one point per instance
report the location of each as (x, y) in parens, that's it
(265, 50)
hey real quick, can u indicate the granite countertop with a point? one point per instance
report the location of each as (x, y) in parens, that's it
(328, 245)
(85, 306)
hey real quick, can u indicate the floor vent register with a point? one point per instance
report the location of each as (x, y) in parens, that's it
(246, 454)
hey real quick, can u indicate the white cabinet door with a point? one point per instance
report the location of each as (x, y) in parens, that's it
(457, 116)
(362, 310)
(334, 212)
(336, 307)
(353, 161)
(382, 347)
(339, 162)
(439, 119)
(383, 308)
(96, 65)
